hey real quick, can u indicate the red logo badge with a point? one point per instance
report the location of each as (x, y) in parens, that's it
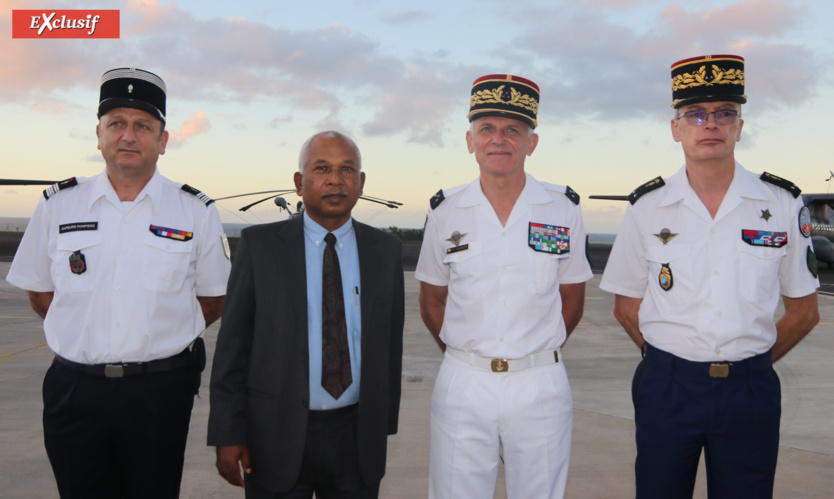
(65, 24)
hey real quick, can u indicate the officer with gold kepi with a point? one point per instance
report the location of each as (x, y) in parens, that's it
(502, 270)
(698, 268)
(127, 268)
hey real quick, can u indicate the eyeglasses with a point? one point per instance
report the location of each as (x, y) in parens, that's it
(722, 117)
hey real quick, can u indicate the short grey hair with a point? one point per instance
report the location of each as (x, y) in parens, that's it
(329, 134)
(530, 130)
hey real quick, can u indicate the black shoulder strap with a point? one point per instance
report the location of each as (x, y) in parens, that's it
(655, 183)
(437, 199)
(59, 186)
(780, 182)
(202, 197)
(571, 194)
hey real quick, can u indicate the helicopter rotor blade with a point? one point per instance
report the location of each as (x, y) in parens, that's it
(277, 193)
(259, 201)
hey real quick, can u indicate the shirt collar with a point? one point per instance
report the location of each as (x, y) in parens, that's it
(533, 193)
(744, 184)
(316, 232)
(103, 188)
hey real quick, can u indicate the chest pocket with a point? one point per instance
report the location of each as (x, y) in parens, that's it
(89, 244)
(466, 269)
(545, 270)
(677, 257)
(758, 267)
(166, 263)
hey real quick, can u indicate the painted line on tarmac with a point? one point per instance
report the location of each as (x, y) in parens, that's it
(20, 352)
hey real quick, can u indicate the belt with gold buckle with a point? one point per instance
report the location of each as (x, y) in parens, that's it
(719, 370)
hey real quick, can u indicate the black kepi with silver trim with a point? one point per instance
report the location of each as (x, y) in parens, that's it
(134, 88)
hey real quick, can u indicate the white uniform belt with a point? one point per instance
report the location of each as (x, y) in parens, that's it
(542, 358)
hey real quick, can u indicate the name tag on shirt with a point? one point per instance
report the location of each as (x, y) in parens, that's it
(73, 227)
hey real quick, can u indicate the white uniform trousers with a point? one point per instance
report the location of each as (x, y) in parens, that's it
(475, 412)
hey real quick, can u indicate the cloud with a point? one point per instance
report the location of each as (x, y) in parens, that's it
(405, 17)
(322, 70)
(591, 66)
(196, 124)
(278, 121)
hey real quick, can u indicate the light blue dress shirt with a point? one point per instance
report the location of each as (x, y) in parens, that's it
(349, 263)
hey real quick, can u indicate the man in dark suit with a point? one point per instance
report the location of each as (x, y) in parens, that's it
(298, 421)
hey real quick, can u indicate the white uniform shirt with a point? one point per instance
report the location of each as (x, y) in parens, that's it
(136, 300)
(724, 291)
(503, 299)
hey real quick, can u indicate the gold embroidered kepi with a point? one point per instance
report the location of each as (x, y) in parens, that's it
(708, 78)
(504, 95)
(134, 88)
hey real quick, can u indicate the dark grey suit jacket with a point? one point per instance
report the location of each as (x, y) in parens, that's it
(260, 378)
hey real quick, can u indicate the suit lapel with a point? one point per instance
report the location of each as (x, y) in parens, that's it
(290, 252)
(367, 245)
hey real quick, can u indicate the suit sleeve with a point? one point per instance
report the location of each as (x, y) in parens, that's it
(227, 414)
(395, 362)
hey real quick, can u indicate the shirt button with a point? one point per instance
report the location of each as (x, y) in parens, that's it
(121, 253)
(712, 231)
(504, 267)
(118, 288)
(503, 303)
(118, 324)
(720, 314)
(124, 220)
(717, 351)
(502, 340)
(503, 234)
(715, 272)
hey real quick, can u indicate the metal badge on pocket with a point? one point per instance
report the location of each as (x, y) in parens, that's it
(77, 262)
(665, 277)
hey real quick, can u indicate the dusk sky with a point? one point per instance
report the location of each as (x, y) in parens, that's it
(250, 81)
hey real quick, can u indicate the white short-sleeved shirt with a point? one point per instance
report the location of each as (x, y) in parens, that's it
(503, 299)
(126, 276)
(711, 289)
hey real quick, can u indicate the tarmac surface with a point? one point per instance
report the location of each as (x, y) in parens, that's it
(600, 360)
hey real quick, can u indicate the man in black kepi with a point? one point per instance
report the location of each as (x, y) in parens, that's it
(127, 268)
(698, 268)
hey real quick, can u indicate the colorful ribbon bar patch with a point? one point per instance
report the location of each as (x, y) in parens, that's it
(764, 238)
(179, 235)
(549, 238)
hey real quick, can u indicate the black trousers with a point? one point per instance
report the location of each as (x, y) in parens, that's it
(116, 437)
(681, 410)
(330, 467)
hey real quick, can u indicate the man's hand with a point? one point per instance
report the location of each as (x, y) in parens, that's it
(230, 460)
(40, 302)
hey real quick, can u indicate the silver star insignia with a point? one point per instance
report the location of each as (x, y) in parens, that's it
(766, 214)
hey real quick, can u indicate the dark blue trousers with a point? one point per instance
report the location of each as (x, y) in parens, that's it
(116, 438)
(680, 409)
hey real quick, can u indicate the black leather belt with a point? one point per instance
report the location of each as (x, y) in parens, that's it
(128, 368)
(730, 369)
